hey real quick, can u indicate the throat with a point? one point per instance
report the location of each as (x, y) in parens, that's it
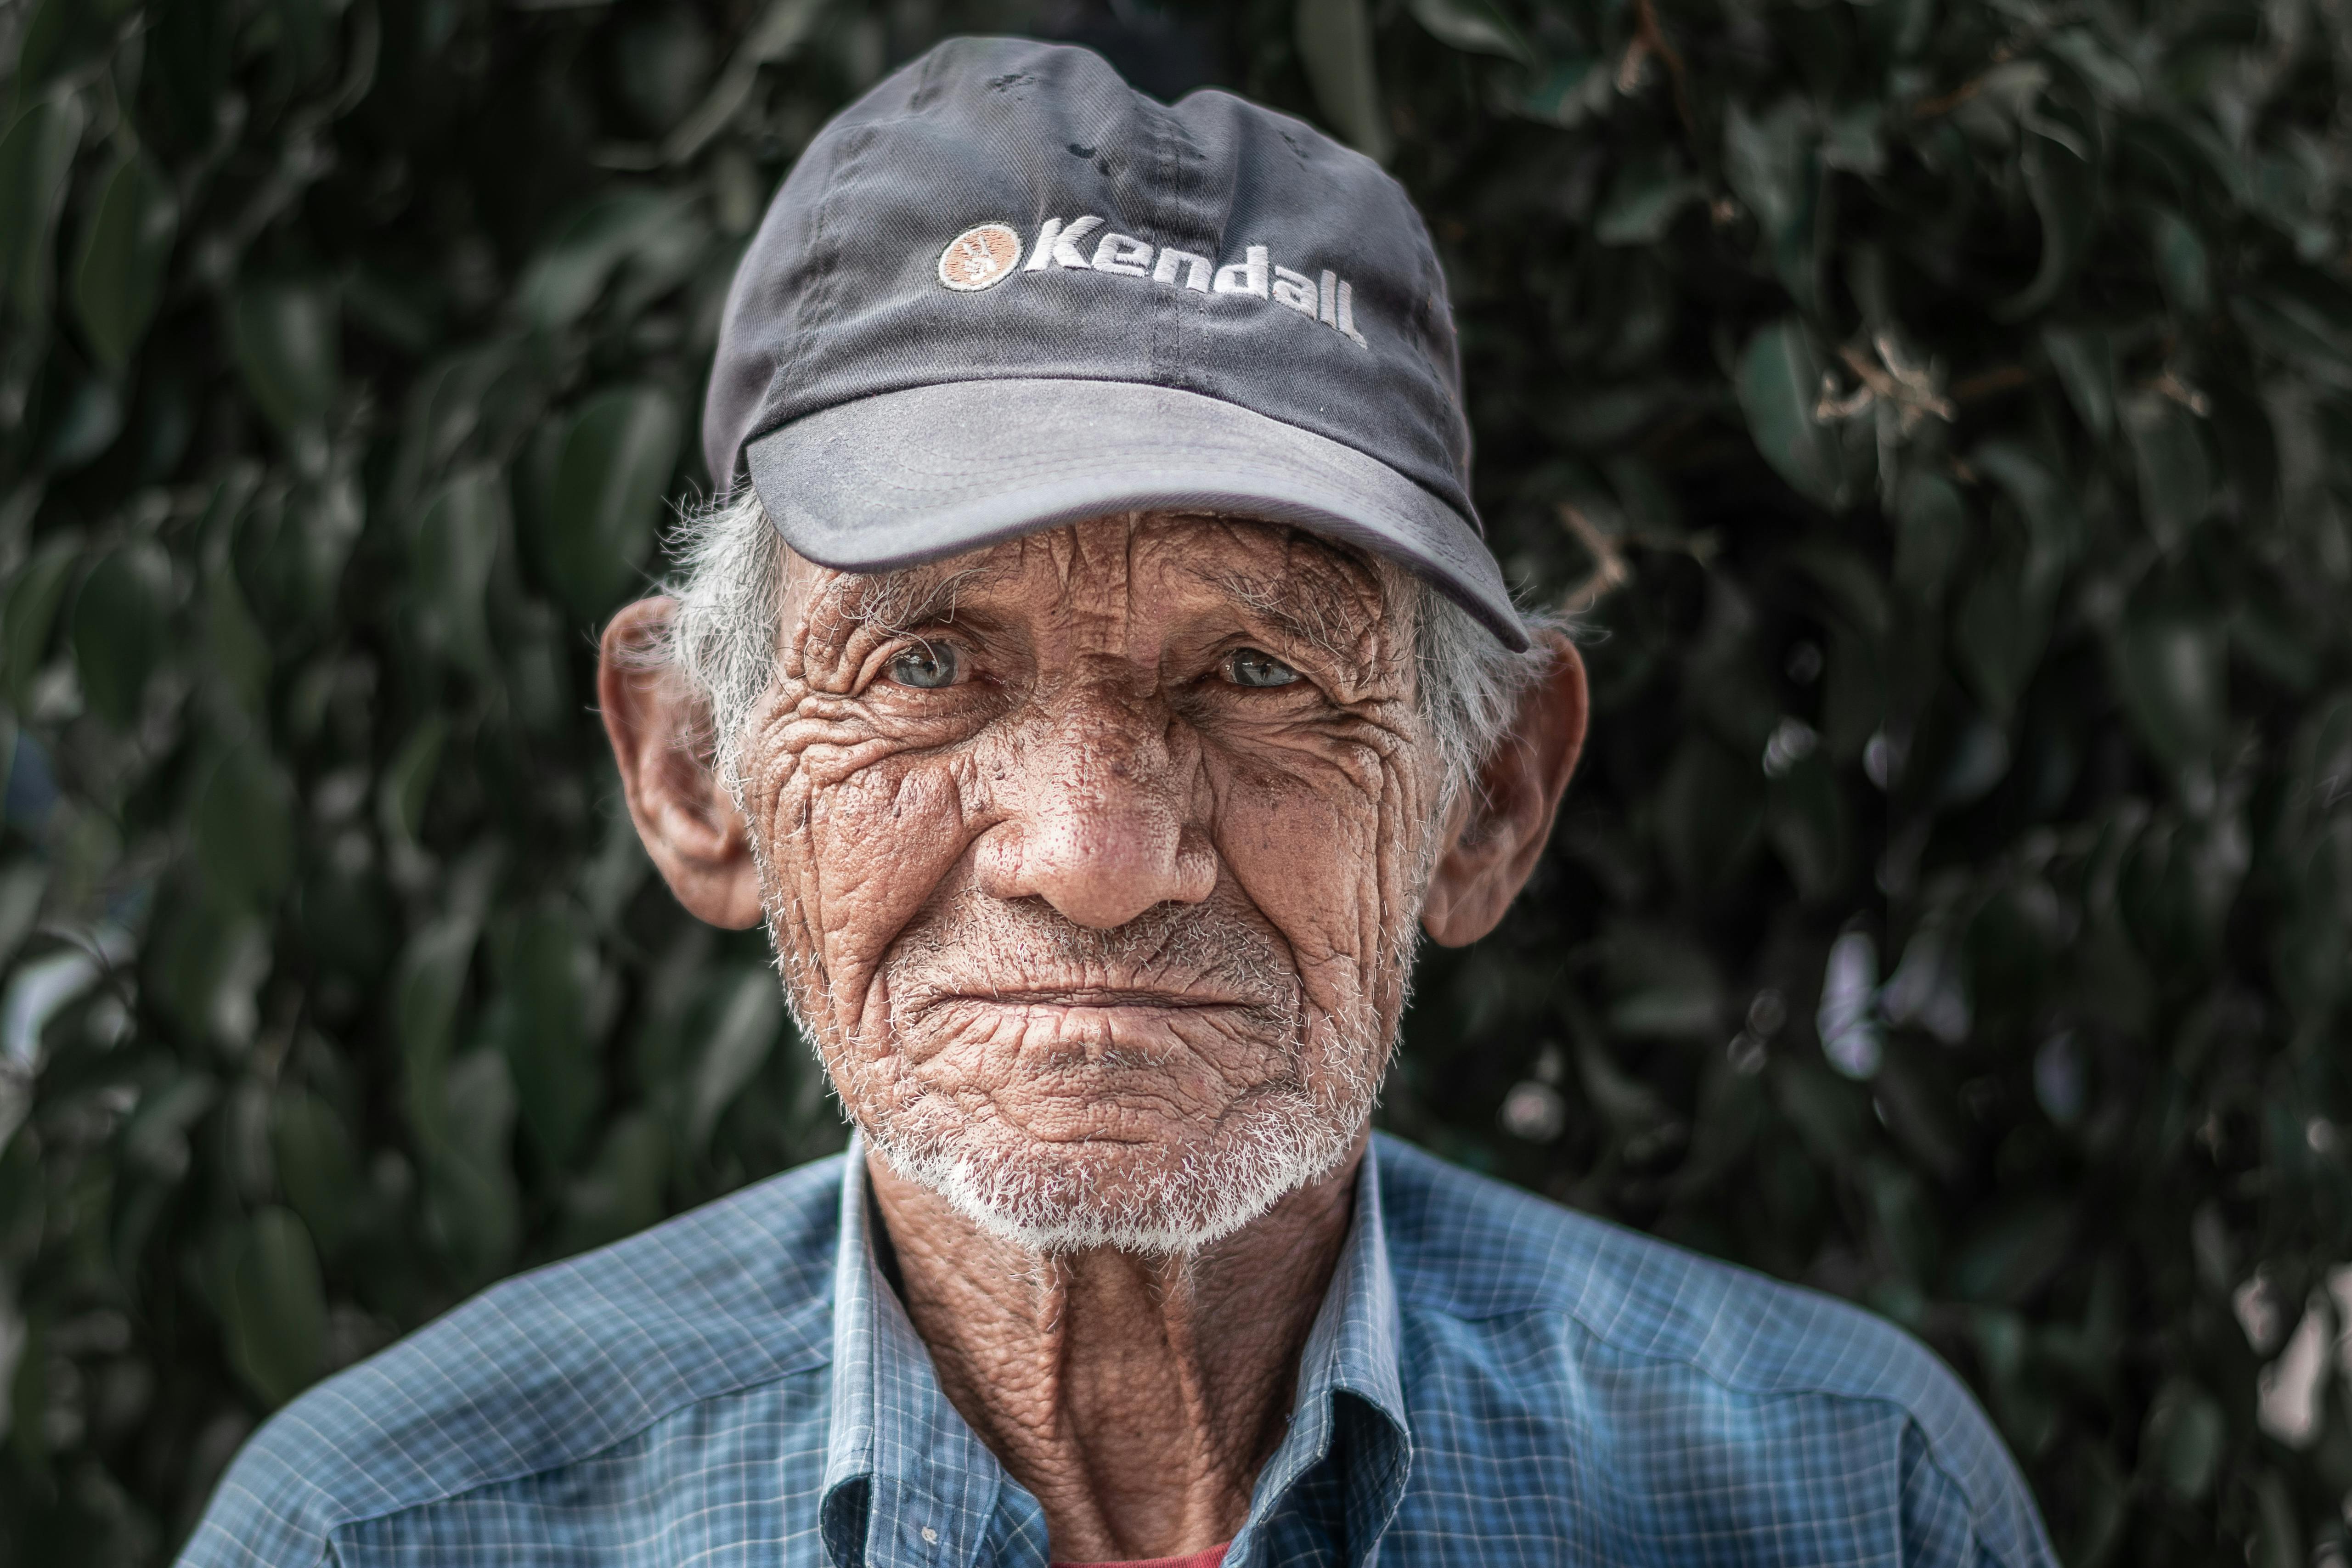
(1136, 1396)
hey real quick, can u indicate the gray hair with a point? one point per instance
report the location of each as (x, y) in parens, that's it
(722, 639)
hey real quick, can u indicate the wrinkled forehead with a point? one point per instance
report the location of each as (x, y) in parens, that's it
(1169, 564)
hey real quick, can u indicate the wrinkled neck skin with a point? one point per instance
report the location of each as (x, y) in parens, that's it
(1137, 1397)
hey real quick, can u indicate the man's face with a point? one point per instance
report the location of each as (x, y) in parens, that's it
(1094, 860)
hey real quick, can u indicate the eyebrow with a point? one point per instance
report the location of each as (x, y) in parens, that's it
(1320, 608)
(907, 597)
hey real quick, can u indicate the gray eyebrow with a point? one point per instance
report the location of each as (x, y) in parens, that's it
(1303, 604)
(909, 597)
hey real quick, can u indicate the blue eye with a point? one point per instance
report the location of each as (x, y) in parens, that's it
(927, 667)
(1250, 666)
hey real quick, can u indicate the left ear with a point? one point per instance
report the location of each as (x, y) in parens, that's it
(1494, 832)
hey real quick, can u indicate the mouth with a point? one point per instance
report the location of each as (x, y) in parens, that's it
(1099, 998)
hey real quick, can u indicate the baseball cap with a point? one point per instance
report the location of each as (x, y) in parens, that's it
(1005, 291)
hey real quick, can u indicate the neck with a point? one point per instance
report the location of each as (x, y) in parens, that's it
(1137, 1397)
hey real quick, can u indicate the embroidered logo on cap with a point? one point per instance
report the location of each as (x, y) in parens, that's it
(980, 257)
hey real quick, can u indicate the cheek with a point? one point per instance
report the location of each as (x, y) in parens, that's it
(855, 851)
(1327, 852)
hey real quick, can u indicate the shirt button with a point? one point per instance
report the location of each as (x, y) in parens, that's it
(931, 1536)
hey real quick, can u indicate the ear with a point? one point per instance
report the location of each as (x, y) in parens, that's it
(1496, 832)
(686, 820)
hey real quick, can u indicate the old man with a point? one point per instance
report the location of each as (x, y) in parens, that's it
(1097, 687)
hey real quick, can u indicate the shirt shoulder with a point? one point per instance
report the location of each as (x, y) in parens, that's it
(1475, 1251)
(542, 1370)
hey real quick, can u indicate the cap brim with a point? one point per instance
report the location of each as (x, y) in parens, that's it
(907, 477)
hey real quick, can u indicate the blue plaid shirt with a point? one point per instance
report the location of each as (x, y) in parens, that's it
(1491, 1379)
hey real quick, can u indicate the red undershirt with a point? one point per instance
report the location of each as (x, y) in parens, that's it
(1212, 1558)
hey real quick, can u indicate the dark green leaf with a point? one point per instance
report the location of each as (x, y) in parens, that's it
(2001, 625)
(2084, 358)
(30, 611)
(120, 623)
(313, 1152)
(2182, 1444)
(1477, 26)
(407, 786)
(1931, 529)
(1710, 807)
(243, 824)
(35, 156)
(457, 540)
(1779, 387)
(2180, 262)
(2014, 1253)
(597, 523)
(2065, 197)
(544, 1029)
(1769, 162)
(564, 281)
(118, 275)
(1807, 824)
(474, 1204)
(2172, 672)
(287, 343)
(1643, 201)
(1335, 42)
(2176, 477)
(750, 1017)
(155, 1139)
(622, 1191)
(276, 1309)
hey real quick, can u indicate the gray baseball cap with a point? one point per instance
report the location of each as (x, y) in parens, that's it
(1005, 291)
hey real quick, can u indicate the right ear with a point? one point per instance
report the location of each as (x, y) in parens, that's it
(685, 819)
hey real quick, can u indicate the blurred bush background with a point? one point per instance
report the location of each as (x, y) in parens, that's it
(1942, 408)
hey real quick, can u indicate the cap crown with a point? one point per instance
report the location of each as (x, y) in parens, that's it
(1003, 208)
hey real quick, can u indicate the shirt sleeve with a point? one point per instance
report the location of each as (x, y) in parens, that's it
(1938, 1526)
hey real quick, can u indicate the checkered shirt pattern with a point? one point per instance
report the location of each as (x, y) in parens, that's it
(1490, 1380)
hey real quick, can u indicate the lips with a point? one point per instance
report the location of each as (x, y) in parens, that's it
(1095, 996)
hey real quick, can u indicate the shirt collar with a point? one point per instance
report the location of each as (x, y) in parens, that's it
(909, 1485)
(906, 1482)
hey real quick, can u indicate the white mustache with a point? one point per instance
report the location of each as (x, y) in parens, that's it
(971, 945)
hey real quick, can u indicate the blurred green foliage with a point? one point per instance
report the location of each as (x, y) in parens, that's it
(1942, 408)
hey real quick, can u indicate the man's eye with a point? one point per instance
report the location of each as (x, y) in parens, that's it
(925, 666)
(1249, 667)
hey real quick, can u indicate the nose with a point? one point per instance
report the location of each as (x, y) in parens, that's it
(1098, 817)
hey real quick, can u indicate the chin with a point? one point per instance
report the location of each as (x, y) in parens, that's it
(1153, 1196)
